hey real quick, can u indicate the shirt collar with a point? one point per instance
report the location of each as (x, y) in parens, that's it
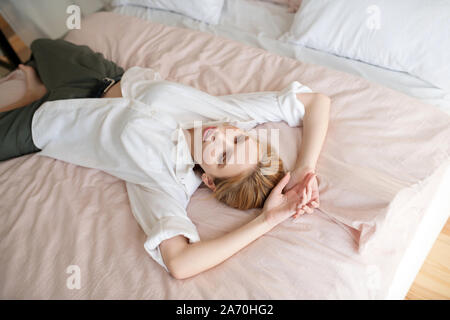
(184, 164)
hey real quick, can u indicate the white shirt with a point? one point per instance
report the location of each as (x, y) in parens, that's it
(139, 139)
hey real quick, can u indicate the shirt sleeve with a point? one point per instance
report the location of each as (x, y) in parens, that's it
(90, 133)
(271, 106)
(161, 217)
(134, 80)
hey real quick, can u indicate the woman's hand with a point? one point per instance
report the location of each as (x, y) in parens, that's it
(298, 175)
(312, 188)
(279, 206)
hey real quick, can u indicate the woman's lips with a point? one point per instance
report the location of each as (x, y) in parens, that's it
(207, 132)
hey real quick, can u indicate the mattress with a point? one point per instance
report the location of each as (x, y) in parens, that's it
(265, 28)
(383, 172)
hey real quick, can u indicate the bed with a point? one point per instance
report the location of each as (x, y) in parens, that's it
(383, 199)
(266, 27)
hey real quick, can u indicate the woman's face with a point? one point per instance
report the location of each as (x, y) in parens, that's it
(226, 151)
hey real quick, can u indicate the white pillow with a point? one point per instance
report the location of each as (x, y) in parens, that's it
(412, 36)
(204, 10)
(293, 5)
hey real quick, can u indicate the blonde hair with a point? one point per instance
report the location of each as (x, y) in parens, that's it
(250, 189)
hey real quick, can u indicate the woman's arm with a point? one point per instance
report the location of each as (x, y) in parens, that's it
(185, 259)
(315, 126)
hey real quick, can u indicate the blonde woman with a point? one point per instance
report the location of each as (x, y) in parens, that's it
(164, 139)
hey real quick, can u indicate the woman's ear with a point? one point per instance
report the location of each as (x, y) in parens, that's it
(208, 181)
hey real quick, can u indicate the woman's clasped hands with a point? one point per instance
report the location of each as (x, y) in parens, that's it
(301, 196)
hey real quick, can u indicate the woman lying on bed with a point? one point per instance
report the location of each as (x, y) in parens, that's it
(153, 134)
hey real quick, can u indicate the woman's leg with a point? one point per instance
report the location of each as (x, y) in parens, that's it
(34, 89)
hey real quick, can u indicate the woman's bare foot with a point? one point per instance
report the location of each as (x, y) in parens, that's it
(35, 87)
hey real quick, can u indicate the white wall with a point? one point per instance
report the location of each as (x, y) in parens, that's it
(32, 19)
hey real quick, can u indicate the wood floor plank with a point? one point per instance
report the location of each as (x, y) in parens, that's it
(433, 279)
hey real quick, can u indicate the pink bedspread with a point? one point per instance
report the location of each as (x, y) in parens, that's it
(383, 164)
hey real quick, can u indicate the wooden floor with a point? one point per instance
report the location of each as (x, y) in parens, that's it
(433, 280)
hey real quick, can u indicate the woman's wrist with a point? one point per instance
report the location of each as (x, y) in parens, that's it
(305, 168)
(305, 164)
(263, 221)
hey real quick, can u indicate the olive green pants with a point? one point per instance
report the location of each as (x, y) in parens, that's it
(68, 71)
